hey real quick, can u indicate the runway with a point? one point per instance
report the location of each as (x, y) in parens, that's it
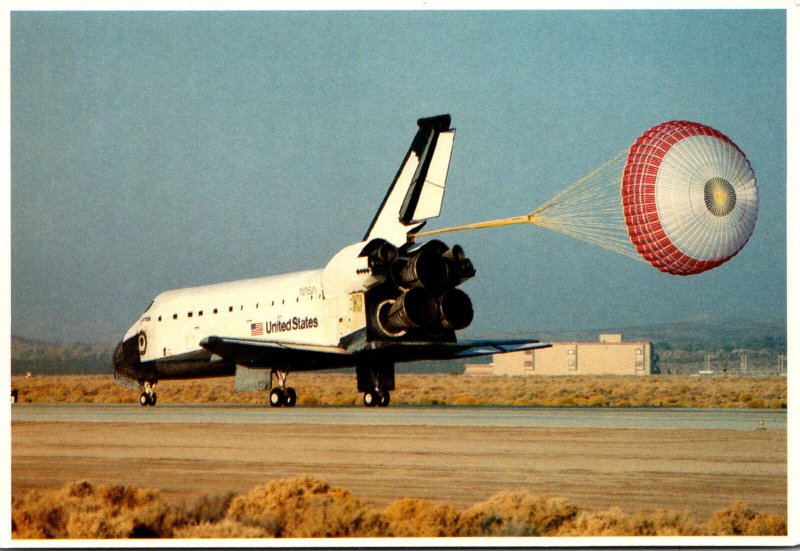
(608, 418)
(692, 460)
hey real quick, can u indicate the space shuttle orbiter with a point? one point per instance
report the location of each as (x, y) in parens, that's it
(383, 300)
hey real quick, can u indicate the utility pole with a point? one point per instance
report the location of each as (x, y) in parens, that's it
(743, 364)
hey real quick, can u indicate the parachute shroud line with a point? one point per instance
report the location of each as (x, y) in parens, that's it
(589, 210)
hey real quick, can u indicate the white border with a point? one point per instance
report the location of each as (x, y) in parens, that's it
(792, 8)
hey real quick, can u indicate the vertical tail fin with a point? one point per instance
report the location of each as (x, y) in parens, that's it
(417, 191)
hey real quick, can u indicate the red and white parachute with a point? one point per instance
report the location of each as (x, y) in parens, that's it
(689, 197)
(683, 197)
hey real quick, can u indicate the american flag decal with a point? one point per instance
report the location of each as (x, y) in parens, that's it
(256, 329)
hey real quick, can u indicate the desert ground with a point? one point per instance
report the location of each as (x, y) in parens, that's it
(696, 471)
(613, 481)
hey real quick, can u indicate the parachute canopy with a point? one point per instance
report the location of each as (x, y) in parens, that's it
(689, 197)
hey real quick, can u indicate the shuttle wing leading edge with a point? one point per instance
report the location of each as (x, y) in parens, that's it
(410, 351)
(270, 354)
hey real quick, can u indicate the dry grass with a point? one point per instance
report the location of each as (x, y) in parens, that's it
(305, 507)
(340, 390)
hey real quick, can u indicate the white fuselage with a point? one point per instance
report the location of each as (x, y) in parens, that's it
(292, 308)
(177, 320)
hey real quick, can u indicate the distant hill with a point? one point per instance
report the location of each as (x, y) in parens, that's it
(691, 335)
(49, 358)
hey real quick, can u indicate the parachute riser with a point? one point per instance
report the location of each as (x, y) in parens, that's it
(525, 219)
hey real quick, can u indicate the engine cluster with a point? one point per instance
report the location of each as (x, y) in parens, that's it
(420, 292)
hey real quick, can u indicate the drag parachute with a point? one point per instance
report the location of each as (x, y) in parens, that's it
(683, 197)
(689, 197)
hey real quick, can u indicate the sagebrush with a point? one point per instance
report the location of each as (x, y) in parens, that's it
(304, 507)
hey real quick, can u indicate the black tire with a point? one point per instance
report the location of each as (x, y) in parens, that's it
(144, 399)
(152, 400)
(277, 398)
(383, 399)
(371, 398)
(291, 398)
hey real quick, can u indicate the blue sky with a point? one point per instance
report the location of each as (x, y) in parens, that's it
(151, 151)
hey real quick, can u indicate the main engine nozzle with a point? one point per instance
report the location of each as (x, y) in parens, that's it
(455, 309)
(426, 269)
(413, 309)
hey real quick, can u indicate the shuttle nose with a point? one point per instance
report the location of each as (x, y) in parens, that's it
(126, 357)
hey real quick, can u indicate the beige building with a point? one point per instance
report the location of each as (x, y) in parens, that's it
(609, 356)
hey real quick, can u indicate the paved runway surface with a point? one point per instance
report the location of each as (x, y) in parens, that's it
(623, 418)
(693, 460)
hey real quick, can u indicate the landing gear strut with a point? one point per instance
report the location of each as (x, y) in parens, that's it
(148, 396)
(281, 395)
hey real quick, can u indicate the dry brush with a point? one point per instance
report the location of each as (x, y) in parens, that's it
(339, 389)
(303, 507)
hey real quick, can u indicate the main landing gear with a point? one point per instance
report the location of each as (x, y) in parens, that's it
(148, 397)
(281, 395)
(375, 380)
(376, 397)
